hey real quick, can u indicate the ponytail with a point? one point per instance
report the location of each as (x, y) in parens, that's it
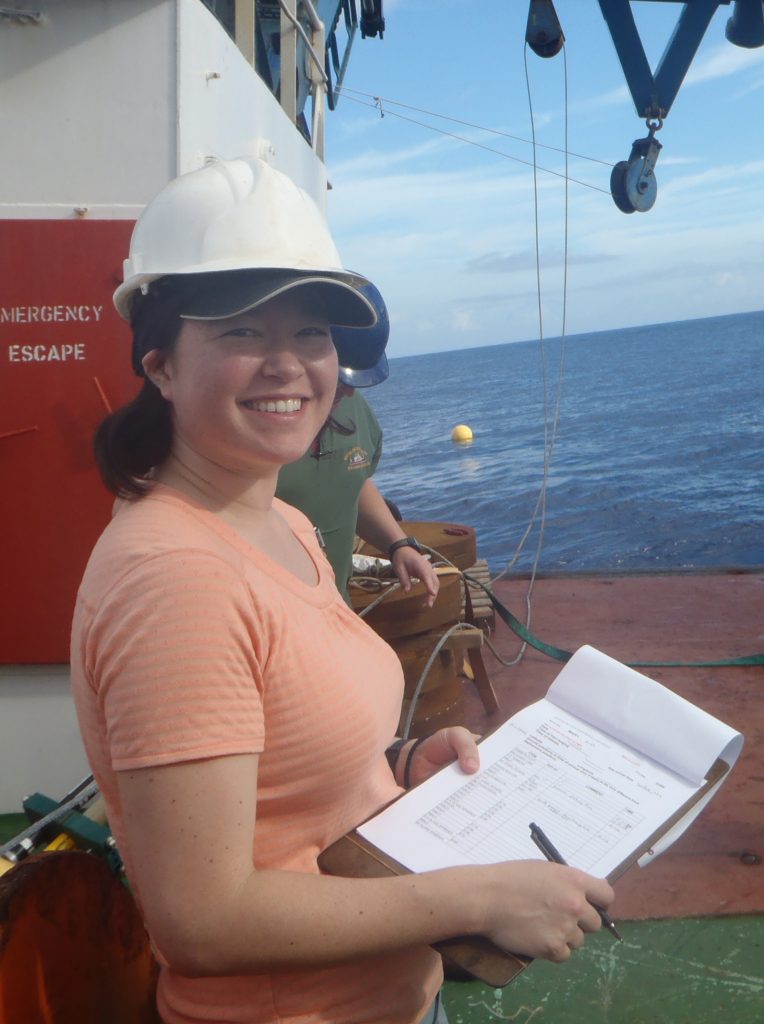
(138, 436)
(132, 440)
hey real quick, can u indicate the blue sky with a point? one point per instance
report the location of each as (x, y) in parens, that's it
(447, 229)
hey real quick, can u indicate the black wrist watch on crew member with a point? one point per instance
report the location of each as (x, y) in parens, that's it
(404, 542)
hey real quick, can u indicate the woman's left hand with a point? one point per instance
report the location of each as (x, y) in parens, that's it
(445, 746)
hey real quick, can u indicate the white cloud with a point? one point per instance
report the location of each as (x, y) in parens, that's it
(380, 159)
(723, 61)
(614, 97)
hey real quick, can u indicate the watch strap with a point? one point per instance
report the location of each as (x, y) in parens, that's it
(404, 542)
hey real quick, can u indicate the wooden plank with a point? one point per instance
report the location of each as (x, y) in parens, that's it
(481, 604)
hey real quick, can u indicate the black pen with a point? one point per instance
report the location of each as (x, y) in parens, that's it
(552, 854)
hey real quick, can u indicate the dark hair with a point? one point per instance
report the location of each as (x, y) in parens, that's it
(345, 429)
(138, 436)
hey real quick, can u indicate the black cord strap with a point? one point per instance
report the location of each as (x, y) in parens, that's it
(409, 759)
(393, 752)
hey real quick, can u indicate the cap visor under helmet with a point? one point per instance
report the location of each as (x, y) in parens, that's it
(225, 294)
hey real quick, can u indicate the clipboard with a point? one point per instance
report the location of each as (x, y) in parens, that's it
(353, 856)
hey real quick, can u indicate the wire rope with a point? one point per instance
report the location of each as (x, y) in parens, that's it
(550, 430)
(378, 100)
(409, 720)
(479, 145)
(385, 592)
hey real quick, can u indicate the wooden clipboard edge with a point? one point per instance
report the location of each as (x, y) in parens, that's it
(355, 857)
(715, 774)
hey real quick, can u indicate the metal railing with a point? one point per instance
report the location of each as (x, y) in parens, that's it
(298, 61)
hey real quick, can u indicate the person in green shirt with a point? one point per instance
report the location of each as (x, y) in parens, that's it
(332, 483)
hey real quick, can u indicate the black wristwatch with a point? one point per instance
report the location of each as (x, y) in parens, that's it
(405, 542)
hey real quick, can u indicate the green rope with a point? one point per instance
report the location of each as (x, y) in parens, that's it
(560, 655)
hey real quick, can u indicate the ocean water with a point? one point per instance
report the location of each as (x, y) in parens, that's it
(657, 460)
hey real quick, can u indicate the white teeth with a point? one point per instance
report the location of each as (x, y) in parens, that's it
(282, 405)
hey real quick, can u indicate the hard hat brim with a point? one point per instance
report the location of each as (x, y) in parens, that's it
(366, 377)
(226, 294)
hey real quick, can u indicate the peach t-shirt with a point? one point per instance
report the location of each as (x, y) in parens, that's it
(188, 643)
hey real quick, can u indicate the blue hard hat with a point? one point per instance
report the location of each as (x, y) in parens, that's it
(365, 378)
(361, 350)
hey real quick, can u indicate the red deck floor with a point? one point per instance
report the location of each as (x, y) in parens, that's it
(716, 867)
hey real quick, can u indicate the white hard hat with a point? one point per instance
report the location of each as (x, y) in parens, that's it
(241, 215)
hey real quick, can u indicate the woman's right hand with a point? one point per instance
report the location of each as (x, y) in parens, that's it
(540, 909)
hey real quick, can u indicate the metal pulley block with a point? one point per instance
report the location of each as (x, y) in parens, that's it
(543, 32)
(632, 182)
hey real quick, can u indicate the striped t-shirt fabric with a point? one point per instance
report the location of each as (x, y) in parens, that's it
(188, 643)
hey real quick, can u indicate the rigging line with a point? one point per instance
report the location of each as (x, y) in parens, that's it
(564, 327)
(479, 145)
(560, 370)
(549, 441)
(541, 500)
(409, 721)
(378, 100)
(563, 332)
(545, 380)
(549, 450)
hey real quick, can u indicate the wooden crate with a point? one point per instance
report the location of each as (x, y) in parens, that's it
(482, 608)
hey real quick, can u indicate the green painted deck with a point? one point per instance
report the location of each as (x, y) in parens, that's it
(684, 971)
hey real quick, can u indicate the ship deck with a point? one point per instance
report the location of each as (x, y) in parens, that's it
(692, 921)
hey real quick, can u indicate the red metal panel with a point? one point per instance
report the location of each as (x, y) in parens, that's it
(64, 359)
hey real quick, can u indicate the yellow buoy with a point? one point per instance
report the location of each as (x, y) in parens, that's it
(461, 434)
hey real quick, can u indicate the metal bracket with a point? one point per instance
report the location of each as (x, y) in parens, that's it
(85, 833)
(653, 94)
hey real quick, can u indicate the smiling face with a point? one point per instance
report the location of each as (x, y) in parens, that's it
(249, 393)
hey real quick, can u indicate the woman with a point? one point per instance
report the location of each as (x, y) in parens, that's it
(235, 711)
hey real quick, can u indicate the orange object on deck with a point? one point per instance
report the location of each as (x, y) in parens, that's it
(73, 948)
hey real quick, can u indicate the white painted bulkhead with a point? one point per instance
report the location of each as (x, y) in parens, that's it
(102, 103)
(105, 100)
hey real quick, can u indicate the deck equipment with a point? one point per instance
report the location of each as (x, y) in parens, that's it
(632, 183)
